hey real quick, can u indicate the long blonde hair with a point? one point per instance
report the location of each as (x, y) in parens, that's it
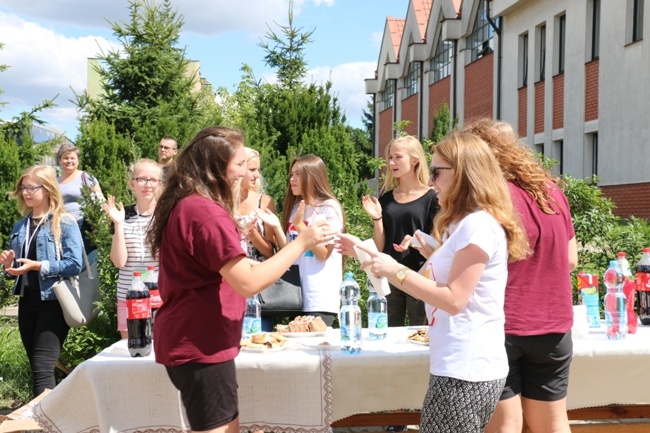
(46, 175)
(477, 185)
(414, 150)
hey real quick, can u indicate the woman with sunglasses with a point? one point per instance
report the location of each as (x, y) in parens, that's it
(463, 284)
(44, 246)
(406, 205)
(129, 251)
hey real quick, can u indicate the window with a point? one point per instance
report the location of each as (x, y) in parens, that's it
(558, 154)
(539, 149)
(541, 52)
(413, 79)
(595, 29)
(441, 61)
(637, 23)
(480, 41)
(523, 65)
(561, 42)
(389, 94)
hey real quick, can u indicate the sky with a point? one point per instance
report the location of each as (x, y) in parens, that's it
(47, 43)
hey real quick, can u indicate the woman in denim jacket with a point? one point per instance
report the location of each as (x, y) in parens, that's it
(32, 259)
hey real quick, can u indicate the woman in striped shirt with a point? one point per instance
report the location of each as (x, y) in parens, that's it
(129, 251)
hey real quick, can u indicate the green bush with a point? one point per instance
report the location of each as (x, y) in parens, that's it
(15, 375)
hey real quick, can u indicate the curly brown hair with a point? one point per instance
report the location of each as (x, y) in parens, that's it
(518, 162)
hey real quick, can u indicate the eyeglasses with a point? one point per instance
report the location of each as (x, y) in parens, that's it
(161, 147)
(142, 181)
(30, 189)
(434, 171)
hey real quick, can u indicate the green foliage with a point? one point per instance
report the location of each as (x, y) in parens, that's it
(15, 376)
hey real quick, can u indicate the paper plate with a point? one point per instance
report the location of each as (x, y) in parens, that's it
(263, 350)
(302, 334)
(318, 345)
(419, 343)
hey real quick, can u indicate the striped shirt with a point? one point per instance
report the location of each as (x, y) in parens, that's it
(138, 252)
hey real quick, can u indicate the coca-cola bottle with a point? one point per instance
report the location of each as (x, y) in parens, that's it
(643, 286)
(138, 317)
(151, 281)
(629, 289)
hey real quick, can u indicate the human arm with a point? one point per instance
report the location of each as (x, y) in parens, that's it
(373, 208)
(119, 254)
(273, 226)
(573, 254)
(345, 243)
(467, 266)
(321, 252)
(263, 244)
(248, 278)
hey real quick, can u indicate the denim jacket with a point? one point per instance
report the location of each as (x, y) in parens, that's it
(52, 270)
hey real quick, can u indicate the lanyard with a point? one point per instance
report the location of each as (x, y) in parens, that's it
(28, 239)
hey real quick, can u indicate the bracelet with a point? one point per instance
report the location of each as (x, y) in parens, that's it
(376, 219)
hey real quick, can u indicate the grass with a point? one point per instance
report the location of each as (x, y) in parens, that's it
(15, 377)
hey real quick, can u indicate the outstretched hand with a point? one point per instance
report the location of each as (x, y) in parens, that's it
(317, 233)
(344, 243)
(299, 217)
(379, 264)
(268, 217)
(115, 211)
(7, 258)
(371, 206)
(404, 245)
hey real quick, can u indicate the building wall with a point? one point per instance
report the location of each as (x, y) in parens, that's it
(385, 130)
(410, 111)
(558, 101)
(479, 92)
(439, 94)
(591, 90)
(630, 199)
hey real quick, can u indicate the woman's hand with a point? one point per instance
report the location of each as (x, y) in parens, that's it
(404, 245)
(298, 218)
(344, 243)
(26, 265)
(7, 258)
(316, 233)
(269, 218)
(424, 248)
(379, 264)
(372, 207)
(114, 211)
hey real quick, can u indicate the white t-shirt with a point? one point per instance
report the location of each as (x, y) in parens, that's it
(470, 345)
(320, 281)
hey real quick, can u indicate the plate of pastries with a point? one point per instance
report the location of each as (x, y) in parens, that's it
(264, 342)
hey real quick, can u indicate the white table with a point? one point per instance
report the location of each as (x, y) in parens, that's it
(304, 390)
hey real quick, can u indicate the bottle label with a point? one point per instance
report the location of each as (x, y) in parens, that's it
(590, 300)
(377, 321)
(643, 281)
(138, 308)
(156, 300)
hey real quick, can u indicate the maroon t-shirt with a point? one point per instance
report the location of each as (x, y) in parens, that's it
(539, 295)
(201, 316)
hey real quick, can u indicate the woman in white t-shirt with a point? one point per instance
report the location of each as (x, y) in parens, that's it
(463, 285)
(129, 249)
(308, 199)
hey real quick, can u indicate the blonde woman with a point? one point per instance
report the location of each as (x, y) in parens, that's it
(45, 246)
(406, 205)
(129, 251)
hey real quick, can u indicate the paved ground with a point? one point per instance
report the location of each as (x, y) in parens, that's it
(9, 311)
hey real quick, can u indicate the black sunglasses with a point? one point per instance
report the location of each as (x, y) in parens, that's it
(434, 171)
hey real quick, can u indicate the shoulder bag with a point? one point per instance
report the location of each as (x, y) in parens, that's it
(284, 297)
(78, 295)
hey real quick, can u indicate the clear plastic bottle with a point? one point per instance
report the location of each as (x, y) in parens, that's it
(138, 317)
(350, 315)
(151, 281)
(643, 286)
(252, 317)
(615, 302)
(377, 314)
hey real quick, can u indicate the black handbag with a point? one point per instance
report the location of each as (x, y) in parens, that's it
(284, 297)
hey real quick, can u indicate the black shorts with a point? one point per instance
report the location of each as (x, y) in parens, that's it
(539, 366)
(208, 391)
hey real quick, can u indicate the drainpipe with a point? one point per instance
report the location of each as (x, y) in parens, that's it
(453, 86)
(421, 99)
(497, 31)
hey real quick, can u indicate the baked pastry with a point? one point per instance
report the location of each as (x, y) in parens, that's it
(304, 324)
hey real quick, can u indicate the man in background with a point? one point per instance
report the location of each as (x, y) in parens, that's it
(167, 150)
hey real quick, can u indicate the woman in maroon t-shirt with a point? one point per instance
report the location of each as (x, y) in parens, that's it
(205, 276)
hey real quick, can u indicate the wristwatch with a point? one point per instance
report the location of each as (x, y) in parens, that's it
(401, 275)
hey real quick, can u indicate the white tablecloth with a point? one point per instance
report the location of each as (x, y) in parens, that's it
(305, 390)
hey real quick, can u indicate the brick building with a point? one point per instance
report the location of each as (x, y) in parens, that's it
(571, 77)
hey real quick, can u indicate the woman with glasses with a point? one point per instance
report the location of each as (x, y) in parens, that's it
(44, 246)
(129, 251)
(71, 183)
(406, 205)
(463, 284)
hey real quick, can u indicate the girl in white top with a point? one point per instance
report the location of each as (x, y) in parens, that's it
(308, 199)
(463, 284)
(129, 250)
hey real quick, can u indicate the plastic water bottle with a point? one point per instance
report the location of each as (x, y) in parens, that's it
(615, 302)
(252, 317)
(151, 281)
(629, 290)
(350, 315)
(377, 314)
(643, 286)
(138, 317)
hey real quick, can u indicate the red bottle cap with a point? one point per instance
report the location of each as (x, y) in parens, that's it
(621, 254)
